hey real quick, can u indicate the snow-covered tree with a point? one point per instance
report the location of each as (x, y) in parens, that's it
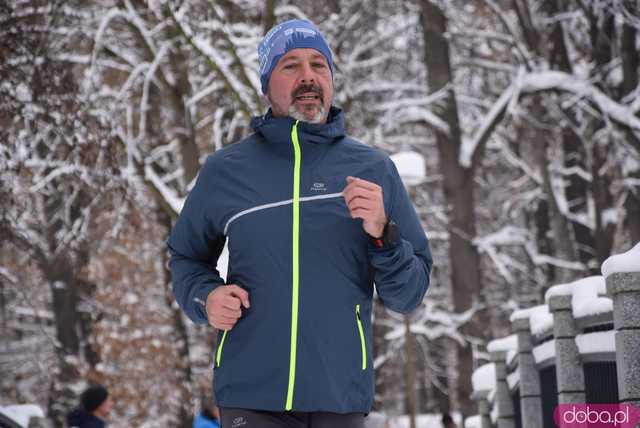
(59, 171)
(525, 114)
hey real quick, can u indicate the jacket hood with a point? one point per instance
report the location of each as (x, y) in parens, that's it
(277, 130)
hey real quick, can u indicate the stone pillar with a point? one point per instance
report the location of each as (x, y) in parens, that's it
(530, 392)
(506, 414)
(569, 370)
(625, 291)
(484, 409)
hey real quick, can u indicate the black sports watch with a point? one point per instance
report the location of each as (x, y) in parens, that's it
(389, 236)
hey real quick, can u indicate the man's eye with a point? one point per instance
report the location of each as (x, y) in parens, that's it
(289, 66)
(318, 65)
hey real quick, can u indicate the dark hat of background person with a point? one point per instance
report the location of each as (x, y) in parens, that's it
(293, 34)
(93, 397)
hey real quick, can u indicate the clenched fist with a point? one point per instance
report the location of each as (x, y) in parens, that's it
(223, 306)
(364, 200)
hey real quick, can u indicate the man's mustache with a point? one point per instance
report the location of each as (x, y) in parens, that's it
(302, 89)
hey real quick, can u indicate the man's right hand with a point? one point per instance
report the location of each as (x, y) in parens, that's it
(223, 306)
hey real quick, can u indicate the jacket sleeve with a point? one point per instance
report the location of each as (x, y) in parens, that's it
(401, 272)
(195, 244)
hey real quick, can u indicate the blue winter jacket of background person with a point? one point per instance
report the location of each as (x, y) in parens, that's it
(305, 343)
(203, 422)
(80, 418)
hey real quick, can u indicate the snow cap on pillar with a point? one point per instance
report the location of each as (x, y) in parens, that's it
(293, 34)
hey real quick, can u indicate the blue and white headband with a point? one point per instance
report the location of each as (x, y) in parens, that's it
(282, 38)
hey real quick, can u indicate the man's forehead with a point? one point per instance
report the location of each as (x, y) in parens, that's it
(302, 53)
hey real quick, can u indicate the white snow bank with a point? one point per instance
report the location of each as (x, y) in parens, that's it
(545, 351)
(585, 296)
(505, 344)
(588, 343)
(597, 305)
(410, 166)
(427, 420)
(474, 421)
(597, 342)
(22, 413)
(540, 319)
(625, 262)
(484, 378)
(376, 420)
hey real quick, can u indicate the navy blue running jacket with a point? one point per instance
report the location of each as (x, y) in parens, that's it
(305, 344)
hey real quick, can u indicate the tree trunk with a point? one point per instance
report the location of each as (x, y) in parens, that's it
(410, 372)
(545, 246)
(529, 31)
(181, 116)
(560, 227)
(62, 397)
(73, 330)
(629, 53)
(575, 156)
(602, 198)
(440, 392)
(604, 230)
(181, 339)
(458, 191)
(630, 67)
(269, 16)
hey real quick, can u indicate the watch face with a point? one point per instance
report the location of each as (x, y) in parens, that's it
(391, 233)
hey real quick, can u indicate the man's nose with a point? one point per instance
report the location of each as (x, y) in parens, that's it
(307, 75)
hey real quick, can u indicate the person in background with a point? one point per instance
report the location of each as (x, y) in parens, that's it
(209, 416)
(447, 421)
(95, 405)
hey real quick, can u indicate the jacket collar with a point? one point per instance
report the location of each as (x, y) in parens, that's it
(278, 130)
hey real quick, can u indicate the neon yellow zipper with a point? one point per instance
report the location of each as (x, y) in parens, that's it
(219, 352)
(363, 345)
(296, 258)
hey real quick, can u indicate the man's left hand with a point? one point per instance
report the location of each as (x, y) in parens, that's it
(364, 200)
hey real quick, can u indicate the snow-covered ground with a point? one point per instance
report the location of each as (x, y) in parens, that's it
(422, 421)
(22, 413)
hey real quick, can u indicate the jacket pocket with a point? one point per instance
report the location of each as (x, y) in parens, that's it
(363, 343)
(219, 350)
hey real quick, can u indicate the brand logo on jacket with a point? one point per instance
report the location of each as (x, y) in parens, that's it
(238, 422)
(318, 187)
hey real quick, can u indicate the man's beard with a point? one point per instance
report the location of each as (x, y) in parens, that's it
(321, 114)
(319, 117)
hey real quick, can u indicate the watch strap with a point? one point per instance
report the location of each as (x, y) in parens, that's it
(388, 238)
